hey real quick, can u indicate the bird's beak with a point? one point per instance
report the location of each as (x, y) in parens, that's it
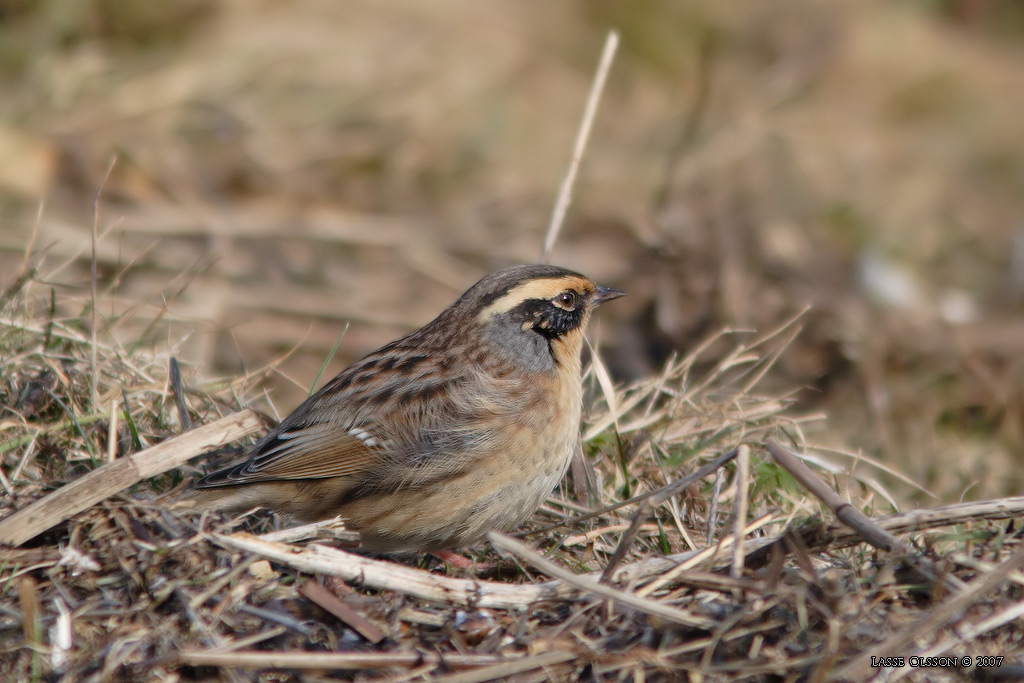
(602, 294)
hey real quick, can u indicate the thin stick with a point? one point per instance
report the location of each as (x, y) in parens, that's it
(611, 44)
(677, 564)
(835, 537)
(740, 520)
(32, 236)
(25, 271)
(716, 492)
(327, 361)
(327, 528)
(870, 530)
(112, 431)
(106, 480)
(95, 381)
(588, 584)
(389, 576)
(659, 495)
(627, 540)
(174, 377)
(351, 660)
(844, 512)
(347, 614)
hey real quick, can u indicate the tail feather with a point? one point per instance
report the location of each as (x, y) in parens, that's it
(305, 500)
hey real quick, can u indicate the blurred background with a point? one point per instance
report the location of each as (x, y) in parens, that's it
(283, 169)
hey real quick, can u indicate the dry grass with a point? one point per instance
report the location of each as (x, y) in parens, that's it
(128, 590)
(311, 165)
(283, 171)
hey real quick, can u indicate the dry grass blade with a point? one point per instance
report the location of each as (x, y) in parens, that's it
(627, 540)
(590, 585)
(611, 44)
(969, 632)
(26, 271)
(843, 511)
(604, 380)
(295, 176)
(659, 495)
(855, 519)
(94, 312)
(504, 670)
(328, 601)
(112, 422)
(674, 566)
(28, 601)
(930, 518)
(329, 528)
(179, 394)
(740, 516)
(12, 288)
(818, 538)
(334, 660)
(108, 479)
(385, 575)
(860, 458)
(952, 608)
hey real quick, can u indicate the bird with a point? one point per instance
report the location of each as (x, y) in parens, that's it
(459, 428)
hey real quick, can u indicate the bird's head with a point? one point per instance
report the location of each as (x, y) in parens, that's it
(532, 315)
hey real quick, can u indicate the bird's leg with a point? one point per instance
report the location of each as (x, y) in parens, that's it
(460, 561)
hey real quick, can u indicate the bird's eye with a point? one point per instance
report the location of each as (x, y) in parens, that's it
(567, 299)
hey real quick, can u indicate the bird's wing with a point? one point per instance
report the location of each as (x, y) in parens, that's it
(314, 451)
(329, 435)
(388, 438)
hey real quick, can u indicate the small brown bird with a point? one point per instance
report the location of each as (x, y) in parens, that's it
(428, 443)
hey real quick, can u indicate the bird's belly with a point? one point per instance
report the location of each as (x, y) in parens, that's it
(498, 492)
